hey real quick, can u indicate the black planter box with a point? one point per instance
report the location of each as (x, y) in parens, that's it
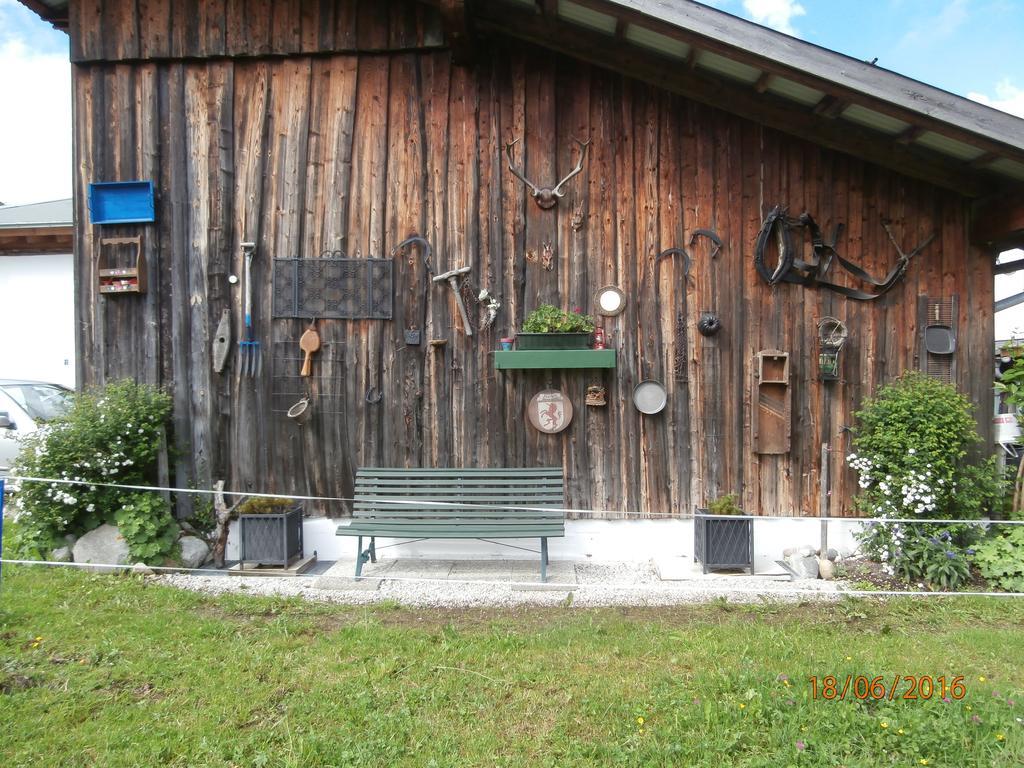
(271, 539)
(723, 541)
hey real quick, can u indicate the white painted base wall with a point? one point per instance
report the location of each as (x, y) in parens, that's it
(37, 318)
(595, 540)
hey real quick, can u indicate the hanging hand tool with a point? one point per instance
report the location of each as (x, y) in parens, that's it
(452, 278)
(222, 342)
(248, 348)
(309, 343)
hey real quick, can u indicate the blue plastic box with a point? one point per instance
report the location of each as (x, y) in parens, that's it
(121, 202)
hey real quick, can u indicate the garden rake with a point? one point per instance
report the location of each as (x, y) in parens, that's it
(251, 362)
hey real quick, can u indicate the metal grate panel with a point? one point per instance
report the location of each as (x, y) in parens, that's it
(337, 288)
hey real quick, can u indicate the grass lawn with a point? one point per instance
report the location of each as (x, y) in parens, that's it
(116, 671)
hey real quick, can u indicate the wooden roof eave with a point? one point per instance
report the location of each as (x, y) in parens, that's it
(34, 240)
(767, 109)
(810, 65)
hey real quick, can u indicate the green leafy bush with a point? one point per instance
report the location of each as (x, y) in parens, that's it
(911, 455)
(548, 318)
(1000, 559)
(111, 435)
(725, 505)
(937, 557)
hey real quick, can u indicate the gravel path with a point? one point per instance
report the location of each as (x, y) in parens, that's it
(589, 584)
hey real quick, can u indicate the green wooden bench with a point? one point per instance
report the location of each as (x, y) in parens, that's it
(483, 504)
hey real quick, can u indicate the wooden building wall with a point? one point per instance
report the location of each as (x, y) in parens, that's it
(356, 149)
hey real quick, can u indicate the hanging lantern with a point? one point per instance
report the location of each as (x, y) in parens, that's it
(831, 337)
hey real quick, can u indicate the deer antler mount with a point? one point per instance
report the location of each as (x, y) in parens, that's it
(547, 197)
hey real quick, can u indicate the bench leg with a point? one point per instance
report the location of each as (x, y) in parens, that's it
(363, 555)
(544, 558)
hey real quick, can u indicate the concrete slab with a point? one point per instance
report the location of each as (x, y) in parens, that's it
(526, 576)
(677, 568)
(340, 576)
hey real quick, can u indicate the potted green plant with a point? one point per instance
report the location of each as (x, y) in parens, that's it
(722, 537)
(549, 327)
(270, 531)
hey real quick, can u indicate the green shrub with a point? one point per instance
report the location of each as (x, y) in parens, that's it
(911, 455)
(936, 556)
(110, 435)
(725, 505)
(548, 318)
(1000, 559)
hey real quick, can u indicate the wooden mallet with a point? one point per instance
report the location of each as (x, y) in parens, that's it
(451, 277)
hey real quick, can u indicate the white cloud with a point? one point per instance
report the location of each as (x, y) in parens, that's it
(35, 132)
(1008, 98)
(778, 14)
(938, 28)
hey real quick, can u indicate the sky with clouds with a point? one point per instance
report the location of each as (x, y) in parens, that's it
(969, 47)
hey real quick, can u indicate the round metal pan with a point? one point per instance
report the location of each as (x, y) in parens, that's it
(649, 396)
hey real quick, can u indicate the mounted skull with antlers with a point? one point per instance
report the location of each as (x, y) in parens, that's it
(547, 197)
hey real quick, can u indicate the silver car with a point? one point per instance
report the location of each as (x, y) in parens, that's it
(24, 406)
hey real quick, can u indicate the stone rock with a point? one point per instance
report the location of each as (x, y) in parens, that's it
(789, 551)
(826, 569)
(142, 569)
(70, 538)
(832, 554)
(194, 551)
(61, 555)
(808, 551)
(804, 567)
(102, 545)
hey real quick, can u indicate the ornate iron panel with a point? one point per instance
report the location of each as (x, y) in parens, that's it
(339, 288)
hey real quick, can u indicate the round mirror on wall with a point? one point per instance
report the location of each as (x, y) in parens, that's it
(610, 300)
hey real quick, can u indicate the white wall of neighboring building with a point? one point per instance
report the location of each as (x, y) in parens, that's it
(1010, 322)
(37, 318)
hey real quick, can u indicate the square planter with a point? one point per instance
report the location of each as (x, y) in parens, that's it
(553, 340)
(274, 539)
(723, 541)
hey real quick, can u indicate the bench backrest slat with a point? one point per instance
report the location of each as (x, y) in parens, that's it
(460, 494)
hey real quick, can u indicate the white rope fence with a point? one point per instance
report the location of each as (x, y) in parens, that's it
(579, 513)
(701, 587)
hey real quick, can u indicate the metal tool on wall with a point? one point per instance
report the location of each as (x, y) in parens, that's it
(251, 362)
(451, 277)
(221, 345)
(680, 365)
(309, 343)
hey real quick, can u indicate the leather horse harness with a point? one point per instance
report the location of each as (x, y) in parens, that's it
(790, 269)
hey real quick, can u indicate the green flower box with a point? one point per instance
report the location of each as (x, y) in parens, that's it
(553, 340)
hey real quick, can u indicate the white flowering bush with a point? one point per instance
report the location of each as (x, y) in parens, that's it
(911, 453)
(112, 435)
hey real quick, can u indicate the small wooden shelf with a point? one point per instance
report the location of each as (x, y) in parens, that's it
(554, 358)
(128, 279)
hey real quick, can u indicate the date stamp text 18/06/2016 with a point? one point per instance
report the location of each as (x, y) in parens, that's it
(902, 687)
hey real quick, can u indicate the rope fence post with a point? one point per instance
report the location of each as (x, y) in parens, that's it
(1, 530)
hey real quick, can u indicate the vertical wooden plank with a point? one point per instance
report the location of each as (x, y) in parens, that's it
(155, 24)
(604, 483)
(174, 186)
(198, 215)
(248, 429)
(366, 240)
(286, 27)
(404, 212)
